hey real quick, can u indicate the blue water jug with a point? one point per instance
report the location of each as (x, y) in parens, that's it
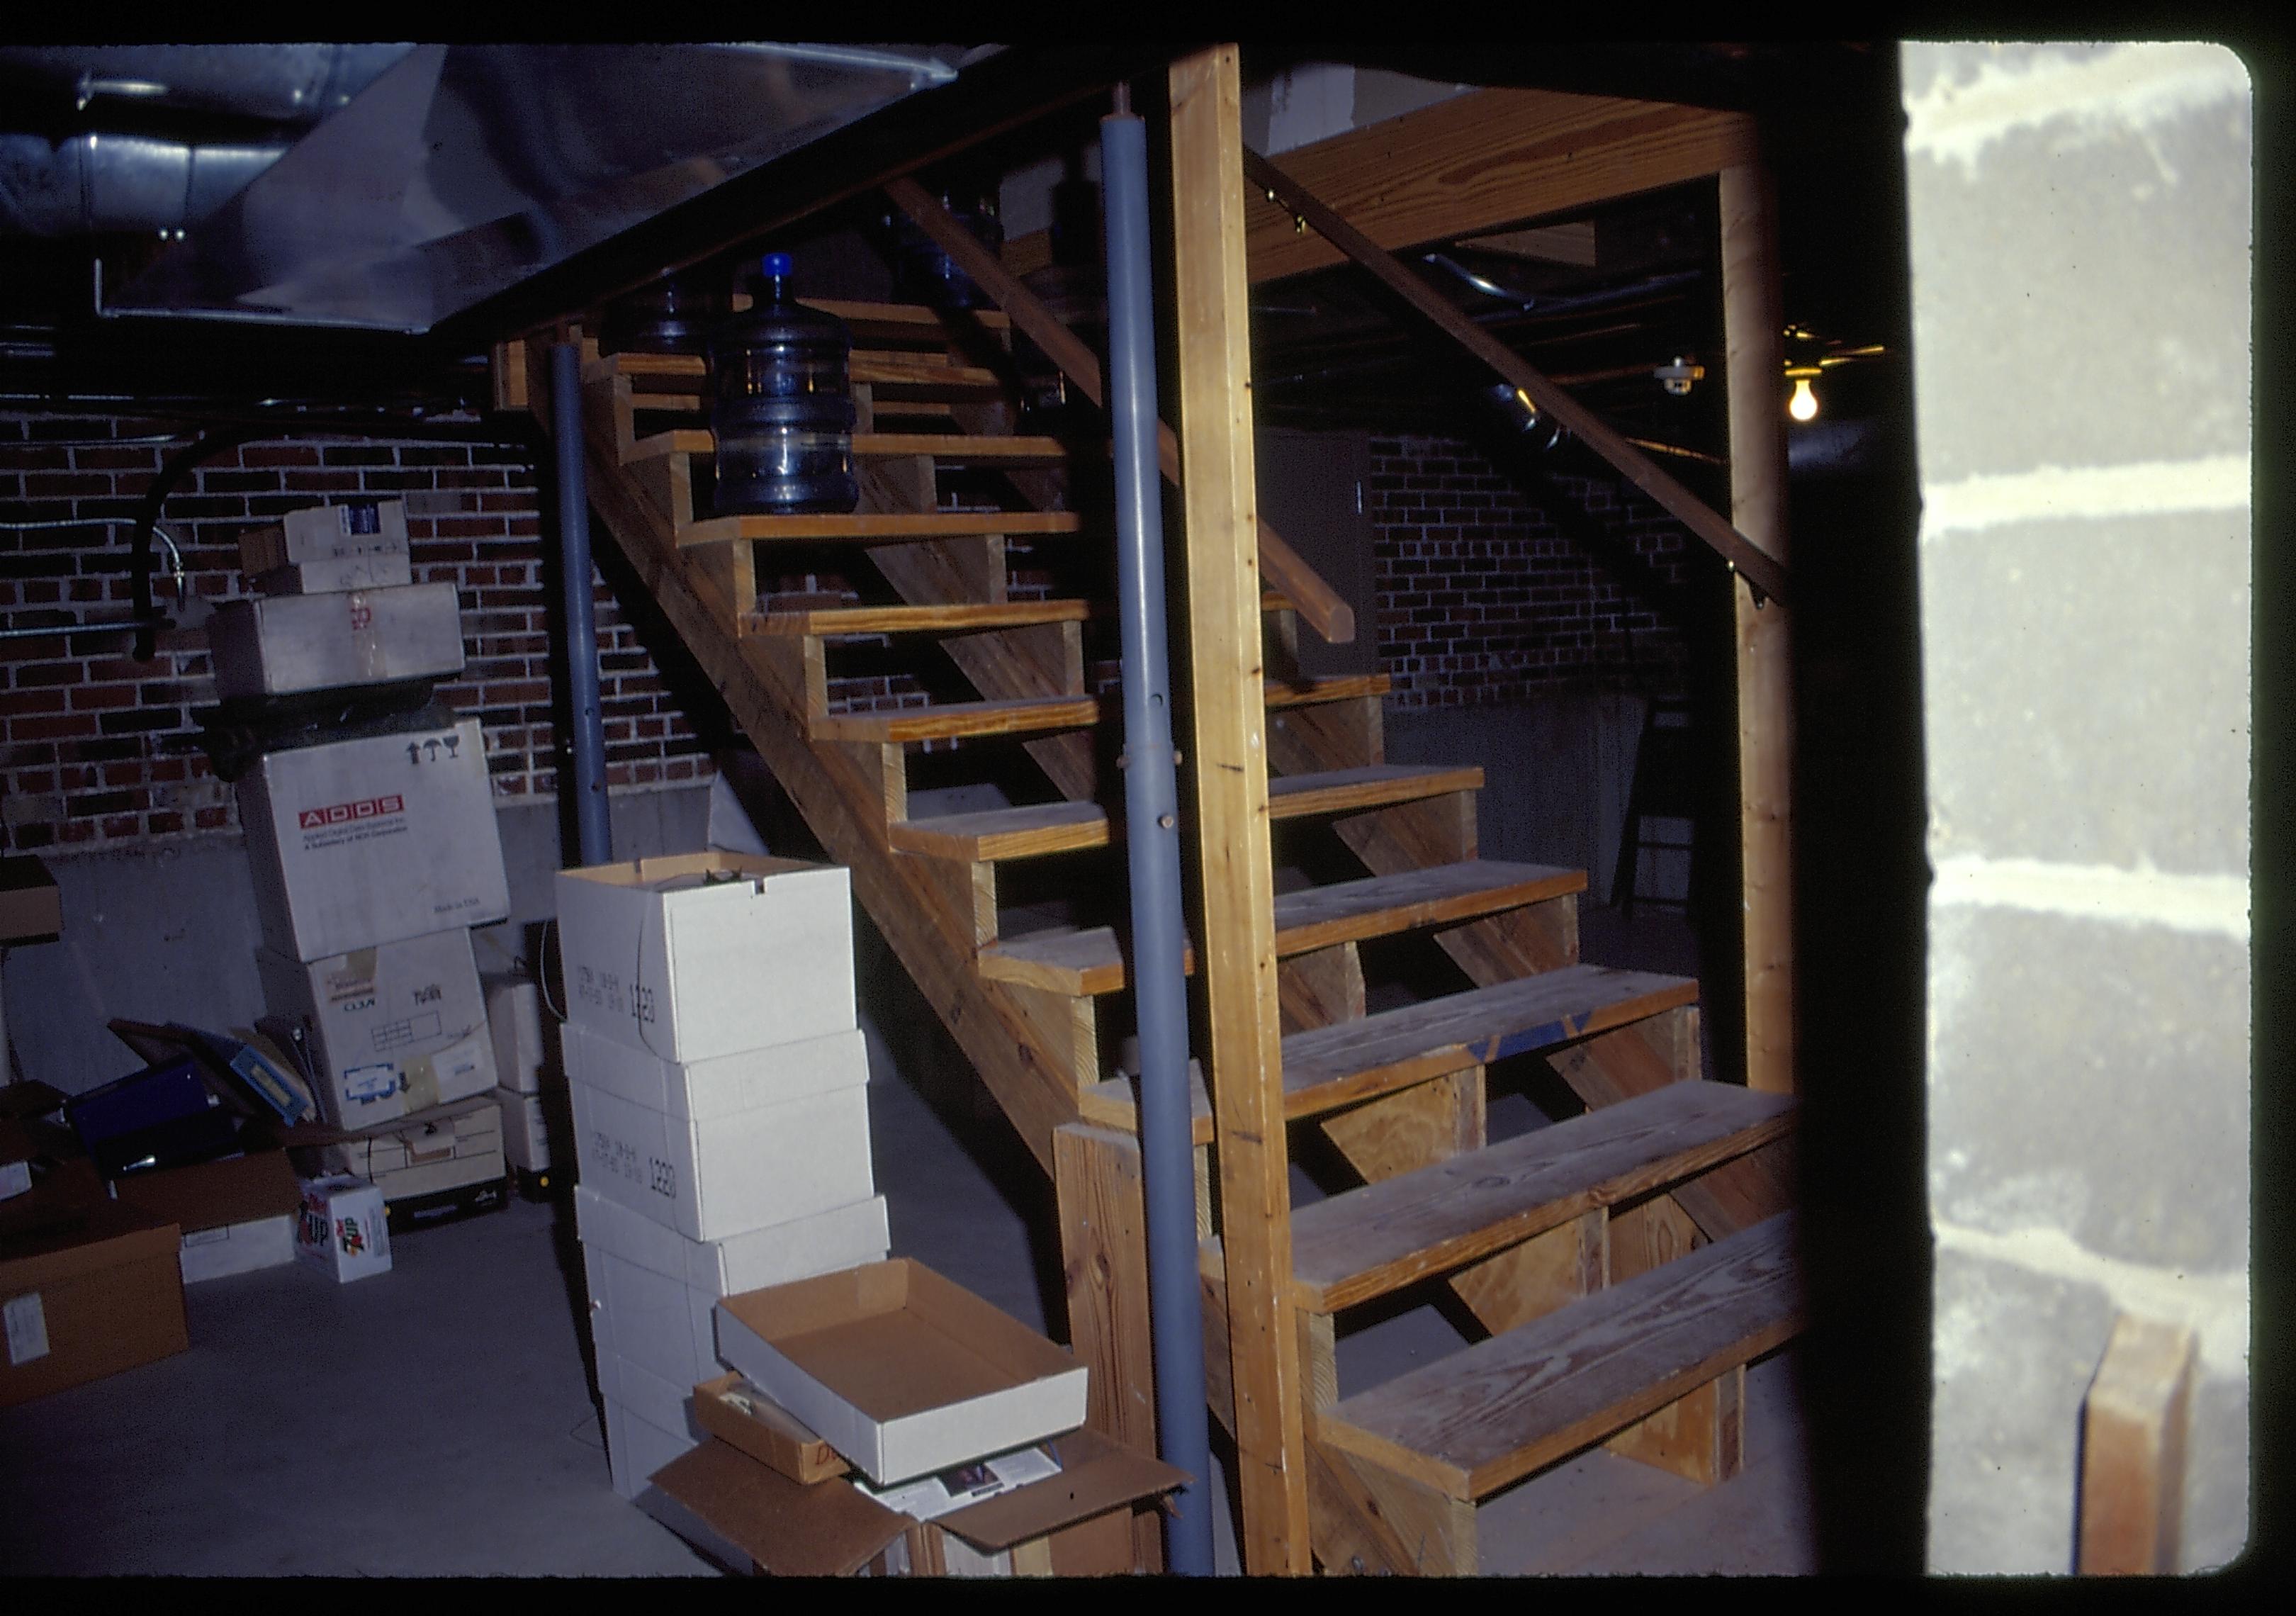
(784, 404)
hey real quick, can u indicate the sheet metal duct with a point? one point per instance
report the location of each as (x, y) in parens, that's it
(278, 83)
(92, 184)
(462, 170)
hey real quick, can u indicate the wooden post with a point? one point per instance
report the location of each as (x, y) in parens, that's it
(1230, 777)
(1754, 334)
(2132, 1479)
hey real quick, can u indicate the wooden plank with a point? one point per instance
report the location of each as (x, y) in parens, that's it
(1544, 1273)
(879, 527)
(1372, 786)
(1650, 1234)
(1475, 1421)
(1304, 692)
(1753, 325)
(956, 618)
(1401, 1133)
(1086, 961)
(1368, 1521)
(921, 376)
(1230, 767)
(1331, 1067)
(1494, 158)
(955, 720)
(2133, 1426)
(876, 322)
(1368, 1241)
(959, 449)
(1069, 1029)
(1380, 906)
(506, 370)
(1319, 989)
(1114, 1103)
(844, 805)
(678, 440)
(1097, 1182)
(1315, 599)
(1637, 467)
(994, 833)
(1700, 1437)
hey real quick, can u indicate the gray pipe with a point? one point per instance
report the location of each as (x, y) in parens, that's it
(1153, 840)
(589, 738)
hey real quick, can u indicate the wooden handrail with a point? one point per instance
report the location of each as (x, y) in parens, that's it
(1762, 570)
(1321, 609)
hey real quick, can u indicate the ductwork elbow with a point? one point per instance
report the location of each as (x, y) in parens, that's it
(94, 185)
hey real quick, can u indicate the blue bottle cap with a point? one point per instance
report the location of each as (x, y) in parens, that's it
(776, 264)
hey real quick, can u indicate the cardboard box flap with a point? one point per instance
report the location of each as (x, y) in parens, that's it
(217, 1194)
(1096, 1475)
(789, 1529)
(689, 872)
(43, 1256)
(314, 1133)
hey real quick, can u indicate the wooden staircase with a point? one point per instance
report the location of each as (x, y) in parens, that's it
(1627, 1262)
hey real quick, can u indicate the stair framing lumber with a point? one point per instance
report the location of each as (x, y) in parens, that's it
(1503, 1408)
(1368, 1241)
(1231, 781)
(1340, 687)
(879, 527)
(962, 618)
(950, 449)
(844, 807)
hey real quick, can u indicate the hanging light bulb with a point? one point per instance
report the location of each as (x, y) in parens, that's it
(1803, 405)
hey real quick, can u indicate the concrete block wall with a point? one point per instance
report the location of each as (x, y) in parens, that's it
(2079, 225)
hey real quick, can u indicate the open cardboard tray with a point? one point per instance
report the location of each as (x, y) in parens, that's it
(901, 1371)
(832, 1530)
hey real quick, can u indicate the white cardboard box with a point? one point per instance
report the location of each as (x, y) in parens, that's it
(237, 1214)
(374, 841)
(660, 1403)
(719, 1147)
(636, 1447)
(527, 1057)
(707, 953)
(652, 1290)
(536, 1129)
(396, 1027)
(341, 1228)
(382, 570)
(280, 644)
(320, 533)
(901, 1371)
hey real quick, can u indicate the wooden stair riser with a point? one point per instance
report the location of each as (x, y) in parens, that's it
(1370, 1521)
(1338, 735)
(1317, 988)
(1700, 1437)
(1070, 1029)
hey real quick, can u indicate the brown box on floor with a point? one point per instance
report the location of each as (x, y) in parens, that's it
(95, 1292)
(1077, 1524)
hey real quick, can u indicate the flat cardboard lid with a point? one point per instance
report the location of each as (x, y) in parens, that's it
(1097, 1474)
(827, 1530)
(691, 872)
(414, 1121)
(217, 1194)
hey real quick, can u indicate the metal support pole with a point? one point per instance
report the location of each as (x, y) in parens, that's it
(1153, 840)
(589, 737)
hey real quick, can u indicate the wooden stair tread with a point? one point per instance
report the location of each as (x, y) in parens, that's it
(1013, 833)
(830, 621)
(1477, 1419)
(1115, 1103)
(957, 719)
(950, 448)
(1367, 1242)
(867, 527)
(1327, 1067)
(1081, 961)
(1342, 687)
(1378, 905)
(1375, 785)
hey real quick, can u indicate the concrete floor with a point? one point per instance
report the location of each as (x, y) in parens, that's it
(438, 1421)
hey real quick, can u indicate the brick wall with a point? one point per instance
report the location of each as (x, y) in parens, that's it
(99, 750)
(1487, 593)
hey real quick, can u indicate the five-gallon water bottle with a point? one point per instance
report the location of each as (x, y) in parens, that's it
(783, 414)
(673, 315)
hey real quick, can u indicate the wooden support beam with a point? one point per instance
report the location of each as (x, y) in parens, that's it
(1637, 467)
(1097, 1178)
(1231, 779)
(1315, 600)
(2134, 1422)
(1754, 329)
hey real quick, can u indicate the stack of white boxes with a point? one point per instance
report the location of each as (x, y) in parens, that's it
(537, 1128)
(718, 1081)
(372, 855)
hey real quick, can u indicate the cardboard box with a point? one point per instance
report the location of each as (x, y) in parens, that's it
(733, 1410)
(383, 570)
(1077, 1524)
(373, 839)
(397, 1028)
(636, 1447)
(719, 1147)
(236, 1215)
(652, 1290)
(536, 1129)
(527, 1057)
(321, 533)
(93, 1294)
(902, 1372)
(341, 1228)
(703, 955)
(31, 906)
(448, 1148)
(281, 645)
